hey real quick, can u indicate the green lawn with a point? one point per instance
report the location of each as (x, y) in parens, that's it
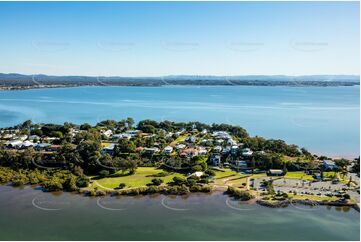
(237, 181)
(225, 173)
(179, 139)
(139, 179)
(298, 175)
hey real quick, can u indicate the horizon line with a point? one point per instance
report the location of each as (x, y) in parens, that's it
(175, 75)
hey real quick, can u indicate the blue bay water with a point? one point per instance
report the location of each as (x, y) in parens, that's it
(323, 119)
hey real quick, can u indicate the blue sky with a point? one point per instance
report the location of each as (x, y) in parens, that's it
(161, 38)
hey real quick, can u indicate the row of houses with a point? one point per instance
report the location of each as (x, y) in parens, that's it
(17, 144)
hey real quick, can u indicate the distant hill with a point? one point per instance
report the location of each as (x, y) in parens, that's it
(16, 81)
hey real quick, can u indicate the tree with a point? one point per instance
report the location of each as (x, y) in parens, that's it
(197, 168)
(130, 122)
(89, 152)
(179, 180)
(37, 132)
(125, 165)
(85, 126)
(54, 184)
(68, 155)
(104, 173)
(148, 129)
(342, 165)
(71, 184)
(356, 166)
(210, 172)
(27, 124)
(83, 181)
(285, 168)
(305, 152)
(253, 164)
(121, 186)
(125, 146)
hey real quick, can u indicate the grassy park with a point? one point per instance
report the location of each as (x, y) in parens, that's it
(298, 175)
(142, 177)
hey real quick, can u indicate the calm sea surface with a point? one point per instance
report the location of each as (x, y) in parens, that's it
(29, 214)
(323, 119)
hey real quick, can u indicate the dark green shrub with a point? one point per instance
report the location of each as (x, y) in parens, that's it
(157, 181)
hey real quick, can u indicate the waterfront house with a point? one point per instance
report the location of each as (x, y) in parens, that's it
(329, 165)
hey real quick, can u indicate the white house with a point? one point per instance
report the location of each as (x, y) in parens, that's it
(107, 133)
(8, 136)
(202, 150)
(27, 144)
(32, 137)
(14, 144)
(221, 135)
(168, 150)
(180, 146)
(247, 152)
